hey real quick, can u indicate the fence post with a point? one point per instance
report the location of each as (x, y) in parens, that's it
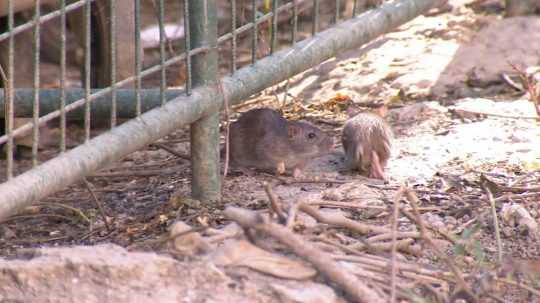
(205, 166)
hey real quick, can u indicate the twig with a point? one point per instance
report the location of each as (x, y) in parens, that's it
(296, 181)
(275, 204)
(497, 115)
(534, 291)
(322, 261)
(341, 221)
(361, 206)
(393, 265)
(77, 211)
(98, 203)
(172, 151)
(495, 223)
(291, 216)
(136, 173)
(411, 197)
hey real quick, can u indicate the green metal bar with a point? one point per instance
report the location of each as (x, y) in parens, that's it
(50, 99)
(35, 114)
(112, 35)
(63, 122)
(205, 166)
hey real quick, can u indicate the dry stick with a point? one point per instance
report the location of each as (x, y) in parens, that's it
(528, 288)
(495, 223)
(137, 173)
(227, 129)
(275, 204)
(322, 261)
(73, 209)
(172, 151)
(98, 203)
(291, 216)
(411, 197)
(498, 115)
(393, 264)
(360, 206)
(333, 219)
(316, 181)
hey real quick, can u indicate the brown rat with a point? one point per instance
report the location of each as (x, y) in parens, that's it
(263, 139)
(367, 141)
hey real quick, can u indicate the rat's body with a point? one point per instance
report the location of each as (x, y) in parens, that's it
(263, 139)
(367, 141)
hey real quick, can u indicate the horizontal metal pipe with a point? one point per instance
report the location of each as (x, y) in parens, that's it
(133, 135)
(101, 106)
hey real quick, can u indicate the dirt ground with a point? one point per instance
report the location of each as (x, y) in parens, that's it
(465, 137)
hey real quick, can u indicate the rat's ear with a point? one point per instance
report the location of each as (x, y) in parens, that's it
(293, 130)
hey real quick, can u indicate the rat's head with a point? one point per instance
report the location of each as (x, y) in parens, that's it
(307, 140)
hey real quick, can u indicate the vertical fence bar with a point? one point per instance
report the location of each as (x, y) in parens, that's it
(138, 59)
(338, 9)
(163, 81)
(35, 112)
(63, 75)
(254, 33)
(273, 44)
(10, 106)
(294, 21)
(87, 58)
(187, 40)
(112, 36)
(355, 7)
(206, 182)
(315, 25)
(233, 31)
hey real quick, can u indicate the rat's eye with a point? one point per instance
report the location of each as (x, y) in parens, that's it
(311, 135)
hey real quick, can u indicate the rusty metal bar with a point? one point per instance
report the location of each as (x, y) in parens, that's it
(71, 166)
(205, 167)
(163, 78)
(138, 56)
(254, 33)
(294, 21)
(338, 11)
(63, 121)
(87, 67)
(187, 36)
(315, 24)
(233, 32)
(112, 41)
(35, 114)
(10, 104)
(273, 38)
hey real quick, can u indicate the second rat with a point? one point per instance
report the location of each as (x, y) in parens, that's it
(262, 138)
(367, 141)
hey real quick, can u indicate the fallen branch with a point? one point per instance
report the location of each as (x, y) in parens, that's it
(323, 262)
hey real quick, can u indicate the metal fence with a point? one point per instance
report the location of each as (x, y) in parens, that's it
(112, 73)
